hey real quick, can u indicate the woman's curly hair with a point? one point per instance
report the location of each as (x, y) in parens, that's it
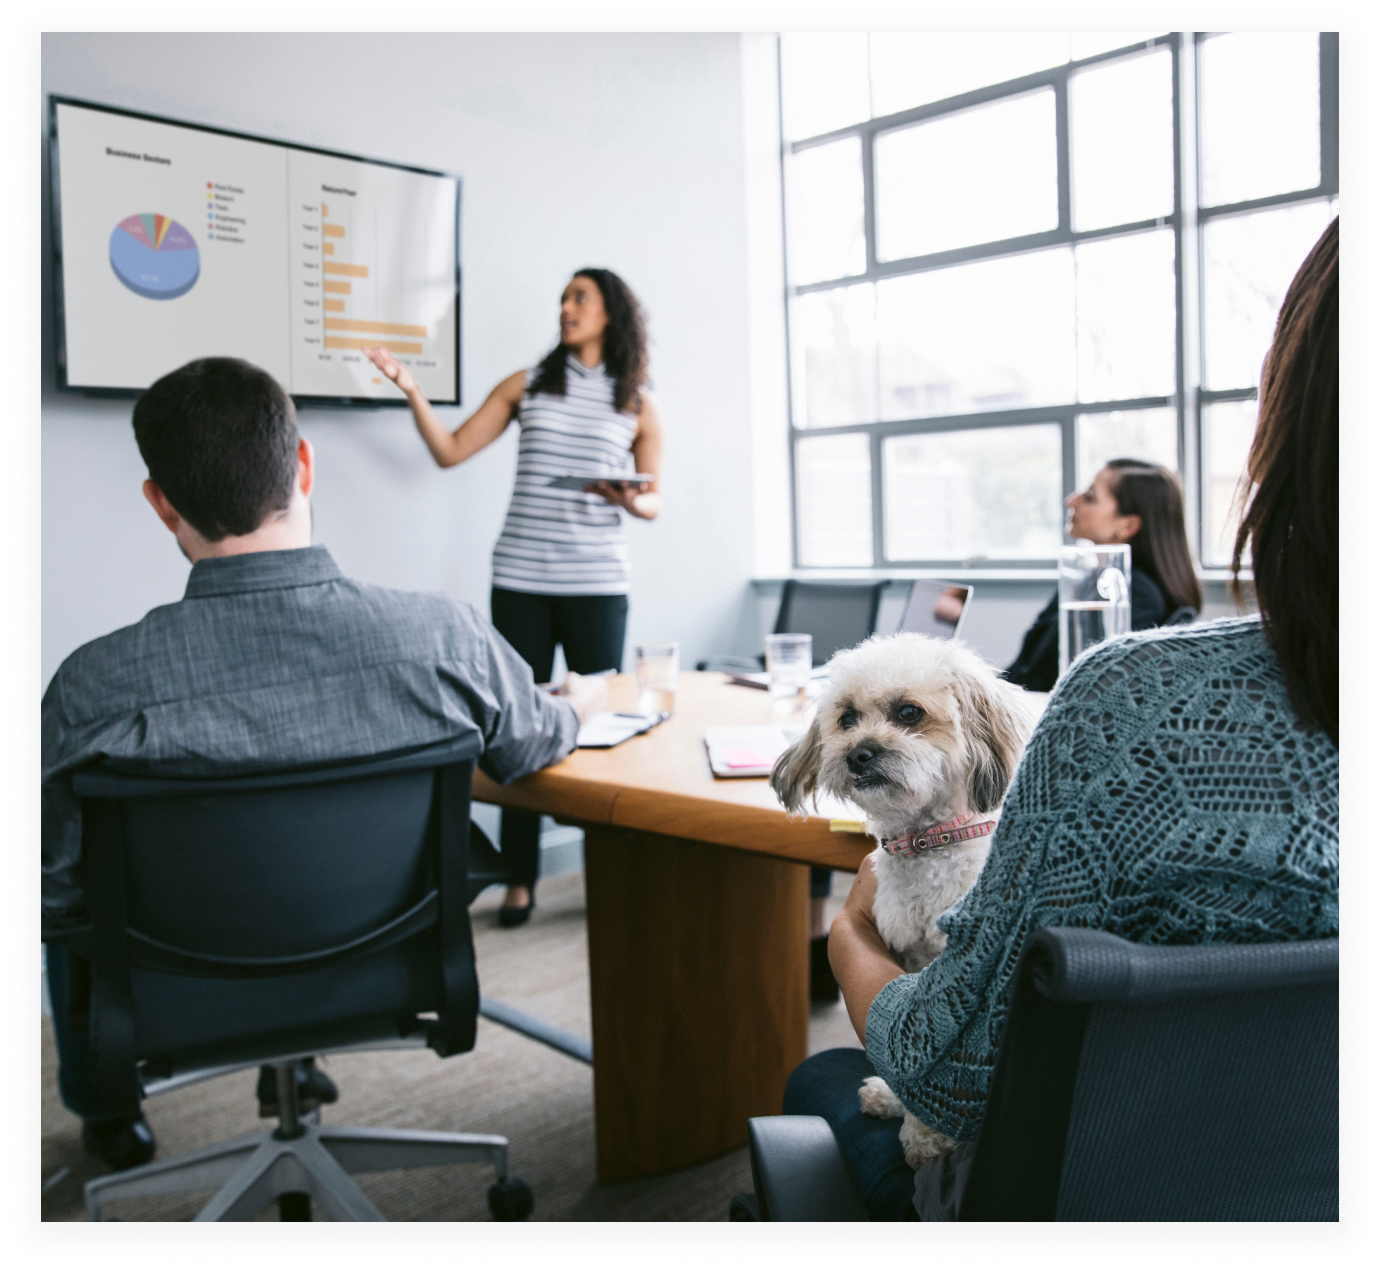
(624, 346)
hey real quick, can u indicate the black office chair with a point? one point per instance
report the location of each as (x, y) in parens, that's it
(268, 918)
(836, 615)
(1184, 616)
(1134, 1083)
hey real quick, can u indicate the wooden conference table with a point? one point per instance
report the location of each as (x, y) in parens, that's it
(698, 910)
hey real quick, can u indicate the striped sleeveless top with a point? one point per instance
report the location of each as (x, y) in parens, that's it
(560, 541)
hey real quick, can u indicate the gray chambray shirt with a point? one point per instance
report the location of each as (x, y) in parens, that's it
(276, 659)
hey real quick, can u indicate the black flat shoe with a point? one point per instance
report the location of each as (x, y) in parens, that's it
(122, 1143)
(511, 915)
(314, 1088)
(823, 987)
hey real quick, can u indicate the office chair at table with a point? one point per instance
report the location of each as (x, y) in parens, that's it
(1133, 1083)
(836, 615)
(267, 918)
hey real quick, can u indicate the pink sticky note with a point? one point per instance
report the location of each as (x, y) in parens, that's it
(748, 758)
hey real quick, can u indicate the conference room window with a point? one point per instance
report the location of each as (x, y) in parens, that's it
(1011, 257)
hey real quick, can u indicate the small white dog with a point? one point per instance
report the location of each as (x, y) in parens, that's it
(922, 735)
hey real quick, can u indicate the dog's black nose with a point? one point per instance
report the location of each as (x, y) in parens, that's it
(859, 757)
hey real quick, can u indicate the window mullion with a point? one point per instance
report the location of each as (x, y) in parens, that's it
(1188, 282)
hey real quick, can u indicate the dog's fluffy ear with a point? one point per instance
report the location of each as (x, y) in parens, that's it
(997, 728)
(796, 773)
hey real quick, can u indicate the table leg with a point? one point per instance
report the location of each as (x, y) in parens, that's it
(699, 980)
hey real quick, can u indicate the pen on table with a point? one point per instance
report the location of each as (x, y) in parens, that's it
(598, 674)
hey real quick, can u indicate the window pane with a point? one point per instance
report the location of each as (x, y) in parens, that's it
(835, 356)
(973, 177)
(1090, 43)
(1121, 119)
(992, 492)
(912, 68)
(1151, 435)
(1125, 317)
(823, 81)
(1228, 427)
(825, 212)
(833, 488)
(1260, 115)
(1247, 264)
(994, 335)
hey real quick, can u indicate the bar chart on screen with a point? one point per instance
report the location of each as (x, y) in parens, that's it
(370, 250)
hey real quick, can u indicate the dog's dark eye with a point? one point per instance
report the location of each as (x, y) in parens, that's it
(848, 719)
(909, 714)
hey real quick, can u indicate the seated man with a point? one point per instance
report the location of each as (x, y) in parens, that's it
(272, 658)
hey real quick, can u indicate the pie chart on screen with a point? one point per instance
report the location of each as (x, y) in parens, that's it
(154, 256)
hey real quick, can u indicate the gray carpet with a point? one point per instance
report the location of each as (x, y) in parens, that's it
(539, 1099)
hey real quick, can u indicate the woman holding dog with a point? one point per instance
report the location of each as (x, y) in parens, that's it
(1131, 501)
(1096, 831)
(560, 568)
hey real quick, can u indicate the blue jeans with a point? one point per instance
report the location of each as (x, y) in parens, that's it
(76, 1080)
(826, 1085)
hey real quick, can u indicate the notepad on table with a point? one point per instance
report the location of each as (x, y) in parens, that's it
(607, 729)
(744, 751)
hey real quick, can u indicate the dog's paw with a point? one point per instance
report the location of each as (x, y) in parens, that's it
(921, 1143)
(877, 1100)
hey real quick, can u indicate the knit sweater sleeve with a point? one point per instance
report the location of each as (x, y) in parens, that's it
(1168, 795)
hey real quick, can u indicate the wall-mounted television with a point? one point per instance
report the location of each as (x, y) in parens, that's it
(174, 241)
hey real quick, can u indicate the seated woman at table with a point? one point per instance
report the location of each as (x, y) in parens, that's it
(1134, 501)
(1099, 828)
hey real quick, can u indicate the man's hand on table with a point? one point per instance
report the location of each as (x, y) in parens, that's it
(588, 694)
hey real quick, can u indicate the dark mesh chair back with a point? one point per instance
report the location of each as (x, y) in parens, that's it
(836, 615)
(1139, 1083)
(263, 914)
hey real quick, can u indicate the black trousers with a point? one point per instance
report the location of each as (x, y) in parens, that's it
(591, 630)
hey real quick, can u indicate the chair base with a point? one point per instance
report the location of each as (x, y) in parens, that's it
(253, 1170)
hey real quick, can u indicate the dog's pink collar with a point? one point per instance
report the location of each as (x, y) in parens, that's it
(951, 831)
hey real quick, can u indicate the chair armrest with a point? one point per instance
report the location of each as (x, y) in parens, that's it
(798, 1171)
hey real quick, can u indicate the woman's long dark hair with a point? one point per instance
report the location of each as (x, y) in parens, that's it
(1291, 524)
(1160, 547)
(624, 345)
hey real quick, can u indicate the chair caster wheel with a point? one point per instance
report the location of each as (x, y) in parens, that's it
(510, 1200)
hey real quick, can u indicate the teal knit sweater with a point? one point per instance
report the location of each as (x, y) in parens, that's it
(1168, 795)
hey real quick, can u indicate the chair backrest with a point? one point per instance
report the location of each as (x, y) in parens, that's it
(1144, 1083)
(255, 913)
(836, 615)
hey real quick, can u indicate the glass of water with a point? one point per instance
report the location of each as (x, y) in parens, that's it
(658, 673)
(1093, 598)
(789, 663)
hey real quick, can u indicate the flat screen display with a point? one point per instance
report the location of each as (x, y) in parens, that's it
(175, 242)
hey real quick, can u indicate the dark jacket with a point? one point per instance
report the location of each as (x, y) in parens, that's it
(1036, 667)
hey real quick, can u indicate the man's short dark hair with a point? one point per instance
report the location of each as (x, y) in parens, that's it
(219, 437)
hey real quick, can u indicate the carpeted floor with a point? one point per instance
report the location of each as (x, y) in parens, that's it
(539, 1099)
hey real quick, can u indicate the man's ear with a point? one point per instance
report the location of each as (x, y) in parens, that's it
(167, 513)
(306, 466)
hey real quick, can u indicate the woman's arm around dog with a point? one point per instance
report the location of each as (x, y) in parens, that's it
(861, 962)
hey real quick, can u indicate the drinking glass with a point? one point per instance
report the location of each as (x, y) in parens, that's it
(658, 672)
(1093, 598)
(789, 663)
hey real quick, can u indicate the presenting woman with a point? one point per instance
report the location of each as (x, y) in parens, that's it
(560, 570)
(1134, 501)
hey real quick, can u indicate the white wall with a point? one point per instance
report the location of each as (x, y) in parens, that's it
(616, 150)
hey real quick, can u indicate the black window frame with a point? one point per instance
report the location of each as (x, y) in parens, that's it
(1187, 221)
